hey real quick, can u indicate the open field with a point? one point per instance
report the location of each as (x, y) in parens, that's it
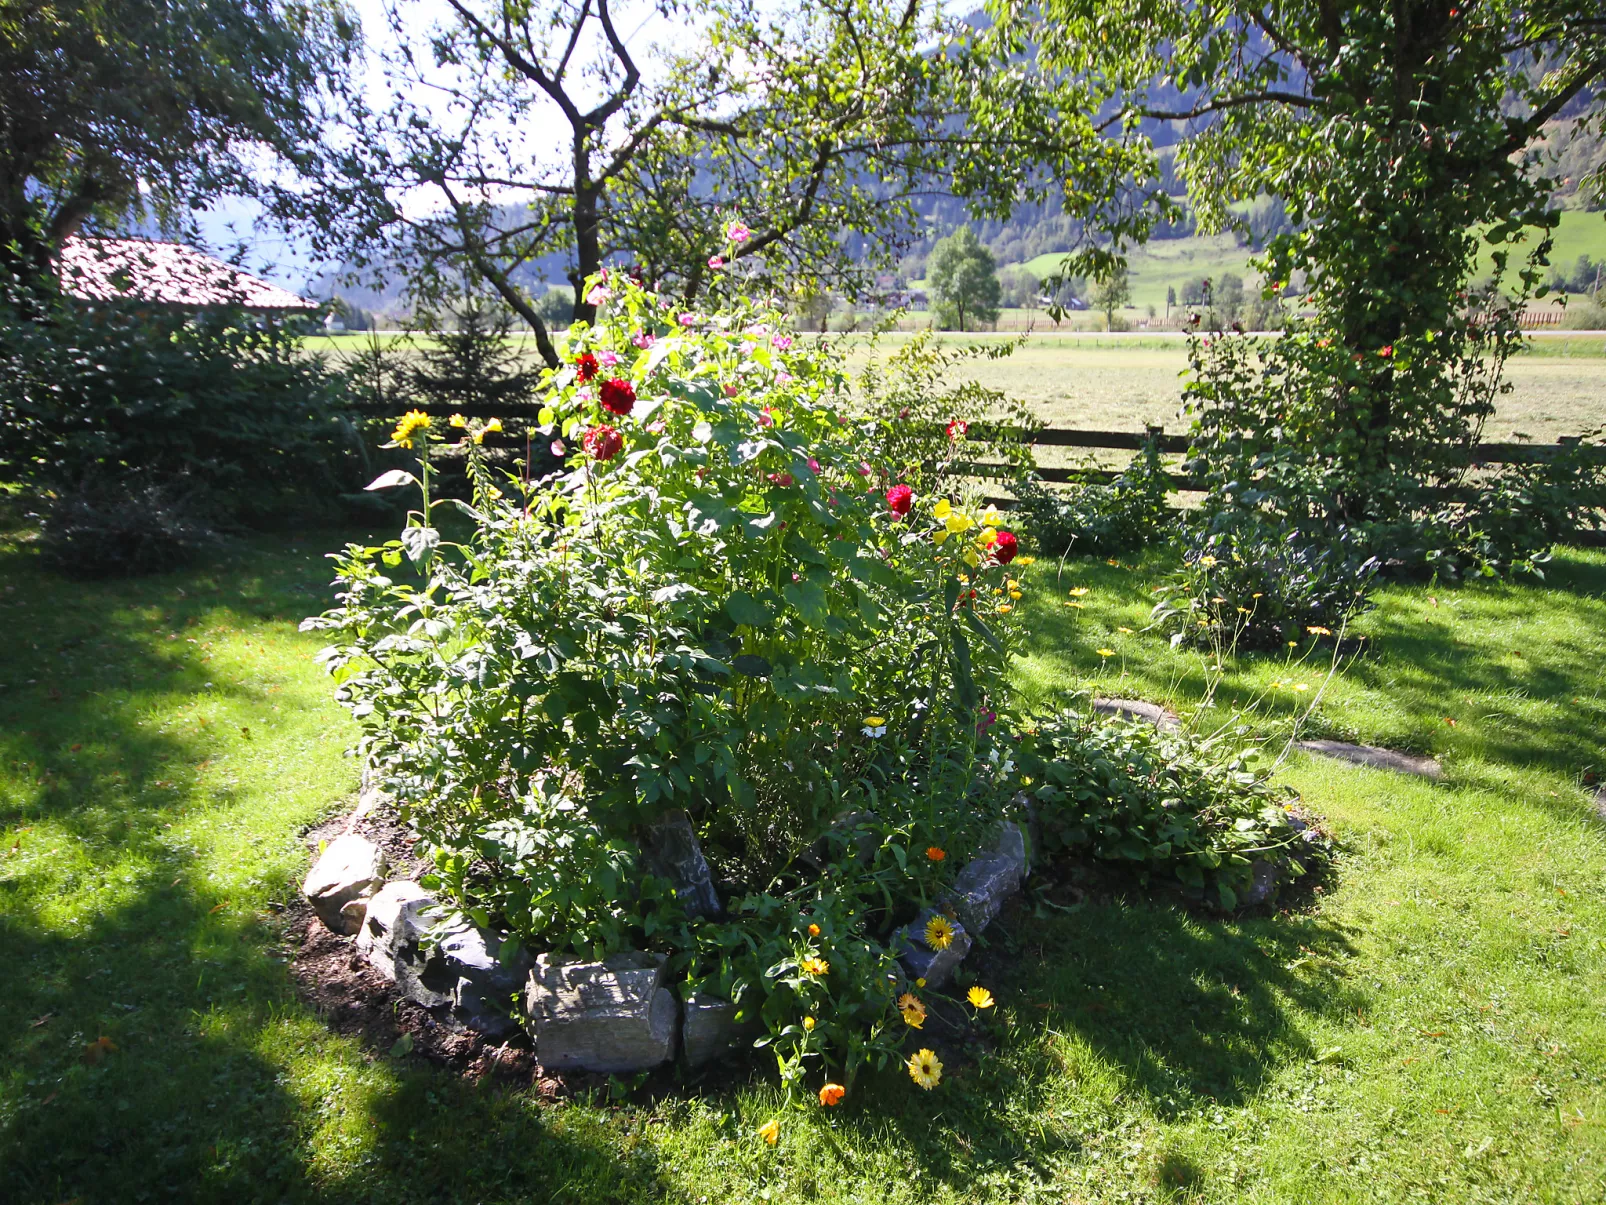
(1427, 1028)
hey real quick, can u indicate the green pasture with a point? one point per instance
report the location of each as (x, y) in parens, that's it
(1427, 1027)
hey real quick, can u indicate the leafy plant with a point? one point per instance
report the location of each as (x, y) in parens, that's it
(121, 526)
(1128, 513)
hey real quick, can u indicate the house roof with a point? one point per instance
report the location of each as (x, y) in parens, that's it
(110, 269)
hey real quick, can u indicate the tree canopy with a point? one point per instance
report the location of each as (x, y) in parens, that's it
(964, 277)
(809, 128)
(112, 108)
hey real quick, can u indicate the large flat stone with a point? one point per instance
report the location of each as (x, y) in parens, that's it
(981, 889)
(670, 850)
(348, 871)
(1139, 709)
(920, 961)
(710, 1029)
(614, 1016)
(397, 915)
(1374, 756)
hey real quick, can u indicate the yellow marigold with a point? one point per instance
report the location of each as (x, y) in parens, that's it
(457, 420)
(925, 1068)
(808, 1023)
(1106, 652)
(911, 1010)
(1026, 560)
(413, 420)
(832, 1094)
(815, 966)
(1014, 593)
(1078, 592)
(770, 1131)
(814, 930)
(939, 933)
(980, 997)
(1005, 608)
(1317, 630)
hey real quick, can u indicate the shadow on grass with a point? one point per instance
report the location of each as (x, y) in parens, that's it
(151, 1044)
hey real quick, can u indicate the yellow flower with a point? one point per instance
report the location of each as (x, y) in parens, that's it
(1026, 560)
(964, 577)
(1303, 686)
(1079, 592)
(494, 425)
(939, 933)
(814, 930)
(991, 517)
(457, 420)
(1077, 605)
(874, 721)
(1014, 593)
(980, 997)
(958, 521)
(920, 983)
(987, 538)
(971, 557)
(413, 420)
(911, 1010)
(808, 1022)
(925, 1068)
(1005, 609)
(770, 1131)
(1106, 652)
(1207, 561)
(942, 508)
(815, 966)
(1128, 631)
(1316, 630)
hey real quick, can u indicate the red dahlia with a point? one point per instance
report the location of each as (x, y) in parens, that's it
(618, 396)
(1005, 548)
(900, 498)
(603, 442)
(957, 430)
(586, 367)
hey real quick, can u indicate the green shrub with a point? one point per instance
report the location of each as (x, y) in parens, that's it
(122, 526)
(1098, 520)
(1194, 811)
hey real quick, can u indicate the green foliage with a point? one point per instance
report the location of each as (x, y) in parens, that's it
(222, 401)
(1157, 802)
(964, 280)
(466, 359)
(122, 526)
(1111, 291)
(1249, 583)
(1093, 519)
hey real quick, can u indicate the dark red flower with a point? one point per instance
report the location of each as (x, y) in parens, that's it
(603, 442)
(586, 367)
(618, 396)
(900, 498)
(784, 480)
(957, 430)
(1005, 548)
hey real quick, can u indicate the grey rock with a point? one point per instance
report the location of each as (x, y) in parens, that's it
(350, 869)
(981, 889)
(1372, 755)
(396, 918)
(1139, 709)
(615, 1015)
(710, 1029)
(1263, 883)
(670, 850)
(920, 961)
(855, 829)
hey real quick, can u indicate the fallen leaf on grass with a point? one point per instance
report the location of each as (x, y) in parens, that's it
(97, 1050)
(38, 1021)
(1437, 1033)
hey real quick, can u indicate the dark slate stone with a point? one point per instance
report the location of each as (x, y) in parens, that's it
(710, 1029)
(920, 961)
(670, 850)
(981, 889)
(852, 828)
(1139, 709)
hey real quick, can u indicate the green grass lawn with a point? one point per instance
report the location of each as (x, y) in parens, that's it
(1431, 1029)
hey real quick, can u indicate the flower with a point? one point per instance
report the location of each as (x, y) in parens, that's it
(925, 1068)
(599, 296)
(979, 997)
(494, 425)
(815, 966)
(557, 448)
(1386, 350)
(1106, 652)
(586, 367)
(832, 1094)
(617, 396)
(899, 499)
(1005, 609)
(875, 725)
(457, 420)
(770, 1130)
(864, 468)
(784, 480)
(738, 232)
(939, 933)
(1079, 592)
(957, 430)
(783, 378)
(688, 319)
(607, 358)
(602, 442)
(1207, 561)
(781, 342)
(936, 853)
(1004, 548)
(1316, 630)
(643, 340)
(716, 262)
(808, 1023)
(765, 418)
(814, 930)
(413, 420)
(814, 465)
(911, 1010)
(1027, 560)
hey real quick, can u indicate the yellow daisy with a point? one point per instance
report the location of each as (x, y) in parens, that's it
(770, 1131)
(980, 997)
(815, 966)
(939, 933)
(925, 1068)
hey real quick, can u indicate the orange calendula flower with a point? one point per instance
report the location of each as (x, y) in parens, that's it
(936, 853)
(770, 1131)
(832, 1094)
(815, 966)
(814, 930)
(925, 1068)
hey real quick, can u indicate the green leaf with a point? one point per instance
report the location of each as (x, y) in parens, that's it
(744, 609)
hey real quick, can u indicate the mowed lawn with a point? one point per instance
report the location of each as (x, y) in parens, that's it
(1429, 1028)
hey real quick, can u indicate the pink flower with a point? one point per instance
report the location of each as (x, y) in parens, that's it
(738, 232)
(765, 418)
(784, 480)
(1386, 351)
(781, 342)
(599, 296)
(607, 358)
(746, 349)
(657, 426)
(900, 498)
(642, 340)
(814, 465)
(731, 390)
(557, 448)
(688, 319)
(716, 262)
(864, 468)
(603, 442)
(783, 378)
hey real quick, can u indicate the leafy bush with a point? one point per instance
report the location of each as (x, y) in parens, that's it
(1101, 520)
(221, 399)
(1248, 582)
(119, 527)
(1157, 802)
(719, 608)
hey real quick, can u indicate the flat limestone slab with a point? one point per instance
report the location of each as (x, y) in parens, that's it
(1377, 758)
(1139, 709)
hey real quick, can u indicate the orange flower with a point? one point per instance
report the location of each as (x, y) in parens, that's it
(832, 1094)
(936, 853)
(815, 966)
(814, 930)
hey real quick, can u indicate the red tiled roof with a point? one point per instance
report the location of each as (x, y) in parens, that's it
(107, 269)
